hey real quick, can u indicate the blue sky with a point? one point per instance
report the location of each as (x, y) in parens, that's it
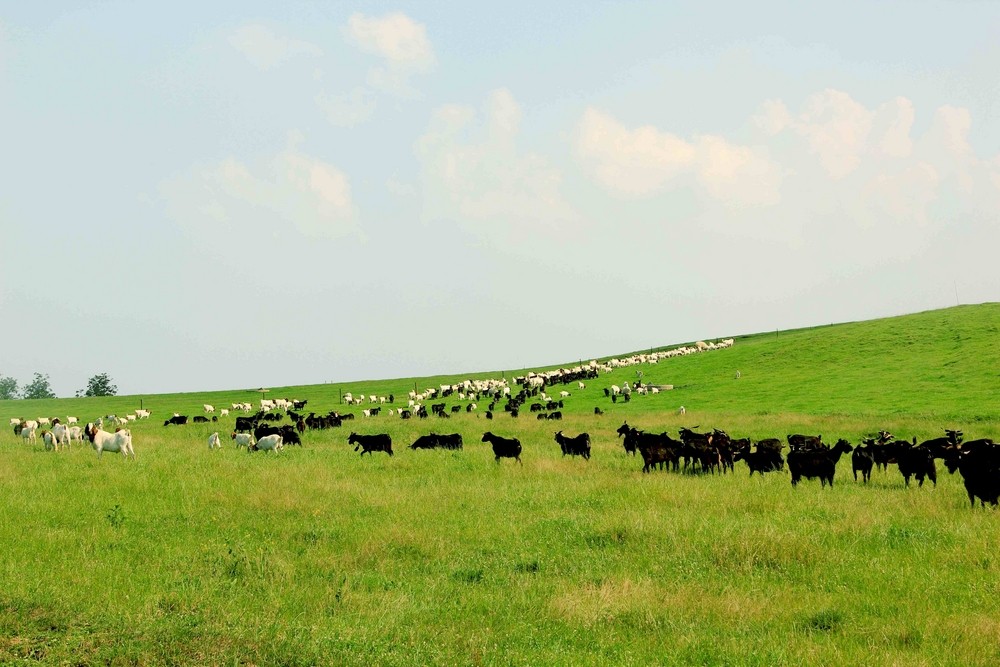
(219, 195)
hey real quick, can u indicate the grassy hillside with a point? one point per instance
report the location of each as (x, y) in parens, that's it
(942, 364)
(318, 556)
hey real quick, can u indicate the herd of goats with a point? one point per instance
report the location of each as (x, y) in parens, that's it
(977, 461)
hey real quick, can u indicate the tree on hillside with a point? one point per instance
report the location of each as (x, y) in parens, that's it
(99, 385)
(39, 387)
(8, 388)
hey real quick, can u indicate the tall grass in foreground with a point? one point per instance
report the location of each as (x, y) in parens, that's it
(319, 556)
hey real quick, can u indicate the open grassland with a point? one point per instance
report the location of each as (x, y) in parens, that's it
(318, 556)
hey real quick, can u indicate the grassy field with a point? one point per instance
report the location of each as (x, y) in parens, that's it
(318, 556)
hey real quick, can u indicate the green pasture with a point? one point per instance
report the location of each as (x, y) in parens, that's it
(317, 556)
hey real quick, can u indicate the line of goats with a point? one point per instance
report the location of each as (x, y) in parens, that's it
(978, 461)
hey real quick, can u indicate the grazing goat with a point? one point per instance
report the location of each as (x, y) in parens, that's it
(655, 448)
(244, 439)
(28, 432)
(698, 448)
(815, 463)
(805, 442)
(381, 442)
(629, 442)
(509, 448)
(980, 470)
(101, 440)
(762, 460)
(658, 449)
(60, 436)
(214, 442)
(863, 460)
(916, 461)
(272, 443)
(578, 445)
(433, 441)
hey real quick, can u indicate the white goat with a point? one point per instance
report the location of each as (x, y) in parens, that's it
(101, 440)
(208, 408)
(271, 442)
(60, 436)
(244, 439)
(214, 442)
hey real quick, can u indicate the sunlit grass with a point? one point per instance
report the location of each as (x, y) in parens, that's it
(318, 556)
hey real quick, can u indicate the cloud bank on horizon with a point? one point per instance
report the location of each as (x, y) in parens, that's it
(258, 195)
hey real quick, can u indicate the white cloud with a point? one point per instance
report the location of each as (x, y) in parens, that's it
(504, 114)
(400, 41)
(265, 49)
(834, 175)
(400, 188)
(951, 130)
(291, 191)
(395, 37)
(737, 175)
(836, 128)
(892, 124)
(841, 132)
(348, 110)
(474, 174)
(646, 161)
(993, 170)
(633, 162)
(773, 117)
(946, 145)
(900, 198)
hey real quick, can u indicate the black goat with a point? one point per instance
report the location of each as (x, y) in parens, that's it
(917, 461)
(381, 442)
(760, 461)
(798, 442)
(658, 449)
(578, 445)
(815, 463)
(504, 448)
(980, 469)
(863, 460)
